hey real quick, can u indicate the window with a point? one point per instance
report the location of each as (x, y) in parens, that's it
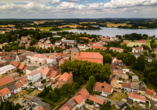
(74, 54)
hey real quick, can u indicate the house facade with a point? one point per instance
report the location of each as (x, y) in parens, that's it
(137, 49)
(38, 59)
(4, 94)
(34, 76)
(126, 86)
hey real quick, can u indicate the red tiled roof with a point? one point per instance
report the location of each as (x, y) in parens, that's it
(114, 80)
(95, 99)
(4, 91)
(51, 57)
(39, 55)
(137, 48)
(98, 47)
(37, 71)
(6, 80)
(127, 85)
(21, 66)
(45, 71)
(84, 93)
(132, 95)
(118, 49)
(16, 64)
(150, 92)
(24, 80)
(18, 84)
(65, 76)
(79, 99)
(53, 73)
(155, 96)
(41, 108)
(103, 87)
(65, 108)
(95, 55)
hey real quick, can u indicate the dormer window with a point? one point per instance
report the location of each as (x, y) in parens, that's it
(102, 87)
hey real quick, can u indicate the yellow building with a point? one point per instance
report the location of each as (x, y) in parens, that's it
(5, 70)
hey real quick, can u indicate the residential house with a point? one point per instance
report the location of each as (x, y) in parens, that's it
(45, 72)
(38, 59)
(48, 41)
(115, 83)
(104, 88)
(4, 94)
(31, 69)
(41, 40)
(16, 64)
(130, 102)
(150, 59)
(41, 88)
(116, 49)
(58, 43)
(142, 88)
(62, 61)
(121, 105)
(6, 70)
(135, 78)
(65, 78)
(137, 98)
(137, 55)
(137, 49)
(126, 86)
(118, 62)
(134, 87)
(150, 94)
(96, 100)
(24, 81)
(50, 59)
(34, 76)
(22, 67)
(155, 98)
(53, 74)
(24, 38)
(155, 50)
(12, 88)
(82, 46)
(18, 85)
(99, 47)
(6, 81)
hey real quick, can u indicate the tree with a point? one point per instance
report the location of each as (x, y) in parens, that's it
(90, 84)
(140, 63)
(33, 41)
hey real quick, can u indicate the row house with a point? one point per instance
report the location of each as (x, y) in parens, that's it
(104, 88)
(130, 87)
(4, 94)
(150, 94)
(99, 47)
(6, 81)
(116, 49)
(137, 98)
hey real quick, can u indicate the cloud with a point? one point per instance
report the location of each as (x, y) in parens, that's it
(86, 0)
(73, 0)
(56, 2)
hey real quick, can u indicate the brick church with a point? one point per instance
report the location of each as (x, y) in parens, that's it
(89, 56)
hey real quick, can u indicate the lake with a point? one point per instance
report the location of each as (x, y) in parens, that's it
(106, 31)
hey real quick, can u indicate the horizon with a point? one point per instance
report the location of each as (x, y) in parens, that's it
(84, 9)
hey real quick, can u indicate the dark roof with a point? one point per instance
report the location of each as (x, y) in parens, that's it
(75, 49)
(33, 106)
(121, 104)
(153, 103)
(129, 101)
(12, 87)
(47, 107)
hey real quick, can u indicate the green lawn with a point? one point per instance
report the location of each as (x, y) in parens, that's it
(118, 97)
(148, 41)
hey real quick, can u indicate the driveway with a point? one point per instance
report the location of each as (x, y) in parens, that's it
(106, 99)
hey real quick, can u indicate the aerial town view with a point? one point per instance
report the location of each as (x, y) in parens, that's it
(78, 54)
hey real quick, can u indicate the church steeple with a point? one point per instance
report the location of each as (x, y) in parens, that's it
(75, 43)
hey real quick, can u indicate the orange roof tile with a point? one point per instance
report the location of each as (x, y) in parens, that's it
(45, 71)
(53, 73)
(114, 80)
(41, 108)
(18, 84)
(4, 91)
(95, 99)
(143, 98)
(6, 80)
(37, 71)
(16, 64)
(137, 48)
(65, 76)
(65, 108)
(84, 93)
(79, 99)
(95, 55)
(155, 96)
(150, 92)
(103, 87)
(39, 55)
(52, 57)
(127, 85)
(21, 66)
(24, 80)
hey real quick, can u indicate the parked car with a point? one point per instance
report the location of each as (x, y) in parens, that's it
(32, 87)
(24, 101)
(21, 99)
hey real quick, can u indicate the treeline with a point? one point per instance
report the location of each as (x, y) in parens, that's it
(135, 36)
(9, 106)
(86, 69)
(88, 27)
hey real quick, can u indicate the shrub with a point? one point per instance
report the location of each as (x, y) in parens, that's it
(145, 81)
(43, 81)
(96, 92)
(89, 102)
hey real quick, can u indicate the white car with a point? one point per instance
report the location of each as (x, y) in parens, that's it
(21, 99)
(32, 87)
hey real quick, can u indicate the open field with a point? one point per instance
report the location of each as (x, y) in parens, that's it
(109, 24)
(132, 43)
(71, 26)
(28, 28)
(118, 97)
(34, 93)
(9, 25)
(87, 22)
(58, 20)
(45, 28)
(39, 22)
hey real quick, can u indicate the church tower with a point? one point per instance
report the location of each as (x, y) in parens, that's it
(75, 52)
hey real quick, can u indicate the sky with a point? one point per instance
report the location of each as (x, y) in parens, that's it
(53, 9)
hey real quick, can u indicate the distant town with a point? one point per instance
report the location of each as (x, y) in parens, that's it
(45, 67)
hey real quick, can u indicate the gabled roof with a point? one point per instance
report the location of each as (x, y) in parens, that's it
(65, 76)
(95, 99)
(95, 55)
(135, 86)
(79, 99)
(45, 71)
(132, 95)
(34, 72)
(18, 84)
(12, 87)
(24, 80)
(6, 80)
(4, 91)
(53, 73)
(103, 87)
(16, 64)
(21, 66)
(84, 93)
(137, 48)
(127, 85)
(39, 55)
(150, 92)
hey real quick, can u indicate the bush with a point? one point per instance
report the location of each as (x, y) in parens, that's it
(96, 92)
(145, 81)
(89, 102)
(43, 81)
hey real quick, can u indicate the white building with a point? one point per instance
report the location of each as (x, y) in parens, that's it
(137, 49)
(34, 76)
(137, 98)
(4, 94)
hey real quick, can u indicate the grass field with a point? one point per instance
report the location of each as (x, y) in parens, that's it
(109, 24)
(118, 97)
(34, 93)
(71, 26)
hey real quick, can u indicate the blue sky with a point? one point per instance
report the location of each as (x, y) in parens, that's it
(78, 8)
